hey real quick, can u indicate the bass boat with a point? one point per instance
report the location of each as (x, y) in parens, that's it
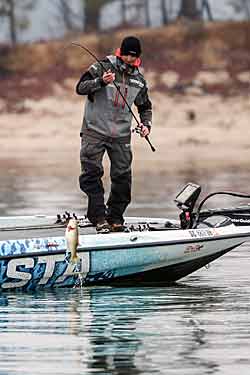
(65, 251)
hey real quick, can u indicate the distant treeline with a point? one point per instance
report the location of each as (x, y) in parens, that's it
(86, 15)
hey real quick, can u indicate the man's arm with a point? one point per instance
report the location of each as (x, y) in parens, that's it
(90, 82)
(93, 80)
(144, 107)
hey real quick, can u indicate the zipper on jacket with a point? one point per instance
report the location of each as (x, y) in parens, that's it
(125, 97)
(116, 98)
(124, 93)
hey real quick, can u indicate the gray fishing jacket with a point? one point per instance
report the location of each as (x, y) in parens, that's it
(105, 111)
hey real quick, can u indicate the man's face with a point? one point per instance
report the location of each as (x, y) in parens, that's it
(129, 59)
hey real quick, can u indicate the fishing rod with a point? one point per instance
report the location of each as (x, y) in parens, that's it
(137, 129)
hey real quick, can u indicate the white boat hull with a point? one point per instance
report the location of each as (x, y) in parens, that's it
(160, 256)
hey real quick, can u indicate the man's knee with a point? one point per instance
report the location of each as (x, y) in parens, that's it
(121, 186)
(90, 179)
(121, 177)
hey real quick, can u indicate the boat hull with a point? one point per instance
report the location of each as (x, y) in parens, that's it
(33, 249)
(167, 275)
(165, 261)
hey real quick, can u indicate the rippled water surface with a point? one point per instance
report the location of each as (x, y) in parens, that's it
(199, 326)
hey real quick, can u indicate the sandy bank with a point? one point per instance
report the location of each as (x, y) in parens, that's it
(202, 132)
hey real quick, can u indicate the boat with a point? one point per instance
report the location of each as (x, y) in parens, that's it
(34, 251)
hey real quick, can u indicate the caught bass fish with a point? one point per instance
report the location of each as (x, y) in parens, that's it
(72, 239)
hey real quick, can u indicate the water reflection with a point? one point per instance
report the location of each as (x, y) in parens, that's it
(113, 336)
(11, 191)
(190, 353)
(153, 194)
(155, 330)
(107, 330)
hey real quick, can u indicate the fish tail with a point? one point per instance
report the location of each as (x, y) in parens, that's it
(74, 259)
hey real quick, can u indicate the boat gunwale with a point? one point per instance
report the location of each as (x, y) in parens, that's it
(128, 246)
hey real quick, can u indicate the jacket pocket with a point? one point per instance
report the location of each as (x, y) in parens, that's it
(91, 147)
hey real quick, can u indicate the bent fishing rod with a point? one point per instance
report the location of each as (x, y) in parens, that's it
(118, 89)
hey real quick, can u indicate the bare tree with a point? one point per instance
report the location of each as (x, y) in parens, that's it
(241, 6)
(7, 10)
(92, 11)
(205, 8)
(164, 12)
(189, 9)
(123, 11)
(140, 7)
(65, 15)
(15, 11)
(147, 14)
(246, 4)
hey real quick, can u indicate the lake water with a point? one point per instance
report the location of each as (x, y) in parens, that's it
(199, 326)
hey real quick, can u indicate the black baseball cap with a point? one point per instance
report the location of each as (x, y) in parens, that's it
(131, 46)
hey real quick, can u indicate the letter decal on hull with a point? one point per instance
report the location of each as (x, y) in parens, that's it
(13, 273)
(193, 249)
(71, 268)
(44, 270)
(49, 266)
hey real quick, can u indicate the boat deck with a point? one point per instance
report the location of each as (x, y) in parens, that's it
(14, 234)
(35, 227)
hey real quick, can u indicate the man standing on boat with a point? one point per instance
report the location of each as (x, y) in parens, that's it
(107, 127)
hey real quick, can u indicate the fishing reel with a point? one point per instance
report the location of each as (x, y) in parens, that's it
(137, 130)
(64, 219)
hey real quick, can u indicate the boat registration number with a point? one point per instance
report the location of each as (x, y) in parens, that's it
(199, 233)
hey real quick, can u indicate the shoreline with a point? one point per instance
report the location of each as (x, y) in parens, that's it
(47, 137)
